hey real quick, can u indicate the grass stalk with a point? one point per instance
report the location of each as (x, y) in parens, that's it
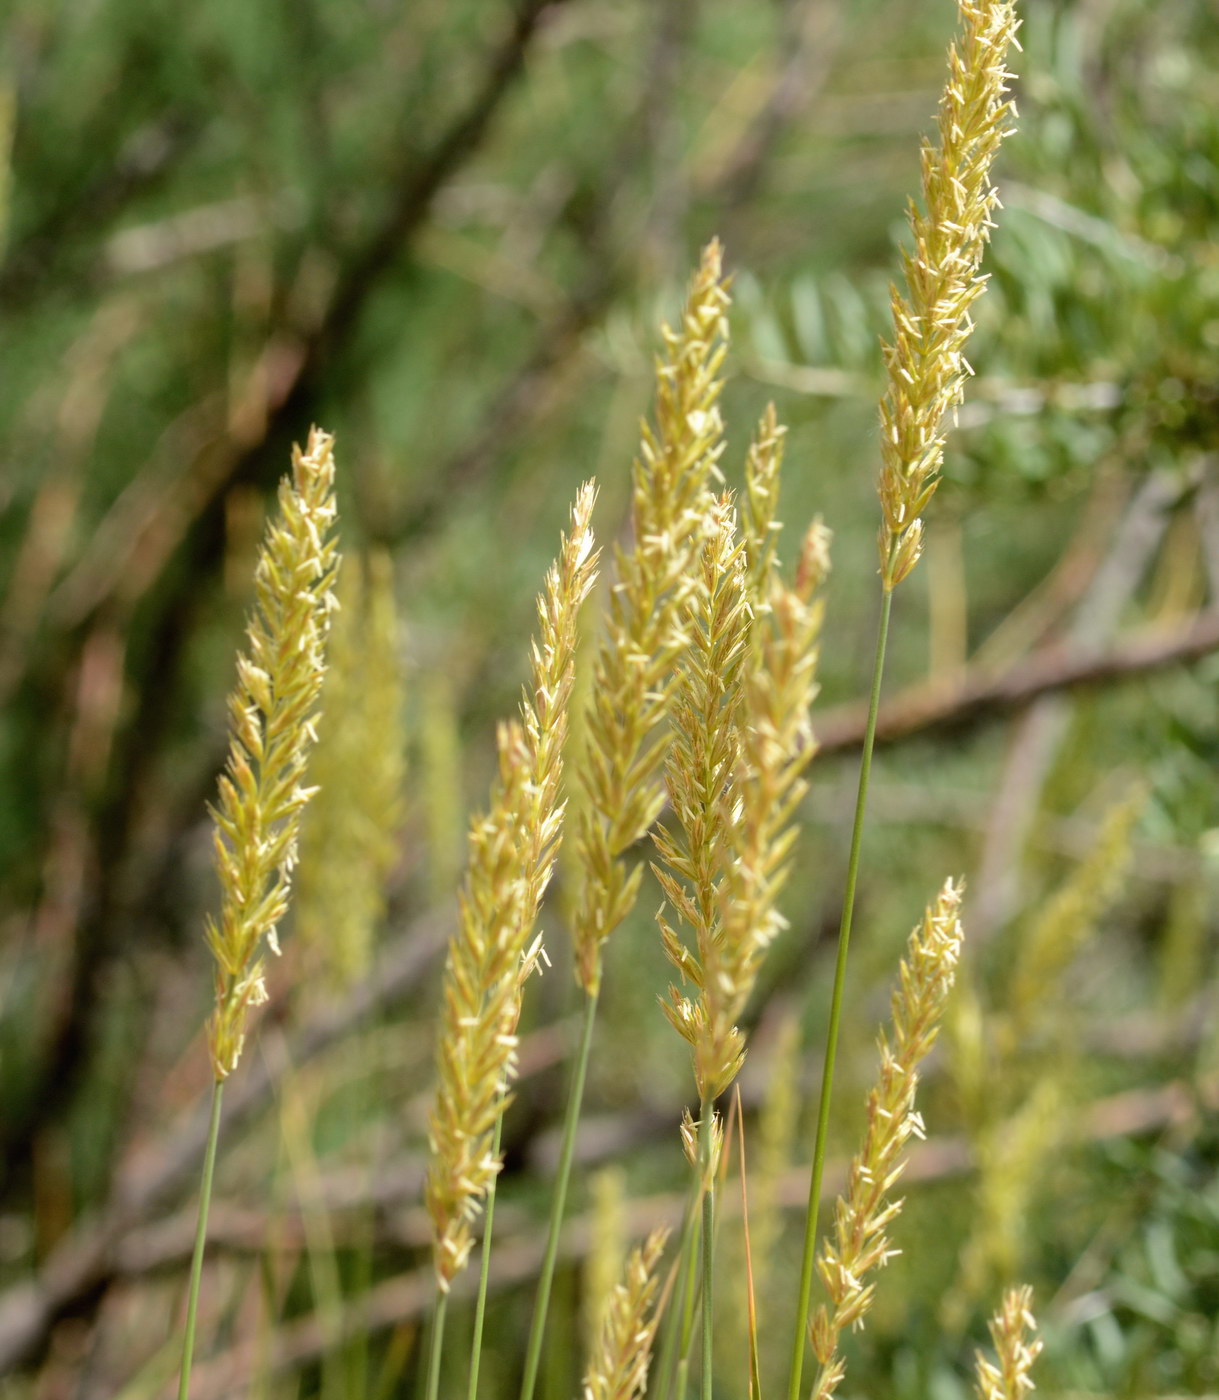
(831, 1045)
(484, 1270)
(707, 1184)
(436, 1345)
(558, 1200)
(673, 1340)
(196, 1265)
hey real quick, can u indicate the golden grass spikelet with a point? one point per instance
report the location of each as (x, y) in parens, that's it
(618, 1370)
(926, 366)
(349, 839)
(701, 764)
(633, 686)
(858, 1243)
(511, 853)
(1010, 1380)
(742, 740)
(273, 713)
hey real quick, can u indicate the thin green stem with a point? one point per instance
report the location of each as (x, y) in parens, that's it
(196, 1264)
(691, 1298)
(484, 1271)
(831, 1044)
(707, 1185)
(558, 1201)
(439, 1309)
(672, 1330)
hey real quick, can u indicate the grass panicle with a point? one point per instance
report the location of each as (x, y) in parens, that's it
(858, 1243)
(273, 715)
(701, 766)
(349, 840)
(633, 686)
(618, 1368)
(511, 852)
(926, 365)
(1009, 1329)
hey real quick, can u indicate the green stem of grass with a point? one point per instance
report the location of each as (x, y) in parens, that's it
(558, 1201)
(439, 1309)
(707, 1185)
(196, 1264)
(484, 1271)
(672, 1333)
(831, 1045)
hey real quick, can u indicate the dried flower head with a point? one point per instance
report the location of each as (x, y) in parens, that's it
(926, 364)
(618, 1370)
(858, 1243)
(512, 852)
(1009, 1380)
(273, 713)
(633, 685)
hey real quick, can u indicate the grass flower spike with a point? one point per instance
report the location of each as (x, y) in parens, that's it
(619, 1368)
(858, 1243)
(273, 713)
(925, 364)
(1009, 1380)
(633, 686)
(511, 852)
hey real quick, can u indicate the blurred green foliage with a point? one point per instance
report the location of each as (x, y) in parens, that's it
(230, 220)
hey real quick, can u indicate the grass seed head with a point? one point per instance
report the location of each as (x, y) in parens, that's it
(273, 713)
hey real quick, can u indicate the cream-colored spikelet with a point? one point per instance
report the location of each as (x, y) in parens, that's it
(273, 713)
(925, 364)
(618, 1369)
(858, 1243)
(779, 685)
(349, 838)
(633, 685)
(741, 742)
(511, 853)
(1010, 1380)
(702, 762)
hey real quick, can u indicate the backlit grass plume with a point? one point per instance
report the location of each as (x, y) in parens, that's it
(926, 365)
(858, 1243)
(633, 685)
(1009, 1380)
(349, 838)
(618, 1368)
(511, 851)
(273, 714)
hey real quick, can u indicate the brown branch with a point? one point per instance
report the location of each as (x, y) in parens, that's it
(925, 710)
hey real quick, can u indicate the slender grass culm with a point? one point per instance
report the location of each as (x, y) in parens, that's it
(272, 714)
(926, 374)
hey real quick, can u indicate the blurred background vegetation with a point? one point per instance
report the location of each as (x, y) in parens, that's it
(446, 230)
